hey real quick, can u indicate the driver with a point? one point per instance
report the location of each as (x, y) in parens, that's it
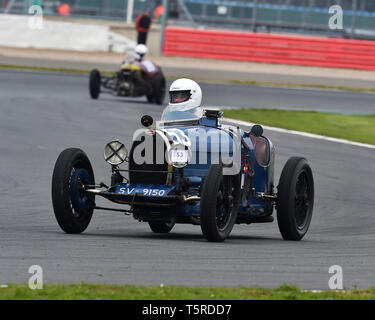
(139, 53)
(185, 95)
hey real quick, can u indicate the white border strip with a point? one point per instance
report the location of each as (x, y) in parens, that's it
(303, 134)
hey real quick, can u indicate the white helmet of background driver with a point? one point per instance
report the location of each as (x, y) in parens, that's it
(185, 95)
(140, 51)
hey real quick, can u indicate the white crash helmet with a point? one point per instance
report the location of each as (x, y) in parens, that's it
(185, 95)
(140, 51)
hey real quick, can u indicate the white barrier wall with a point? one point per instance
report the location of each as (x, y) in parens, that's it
(21, 31)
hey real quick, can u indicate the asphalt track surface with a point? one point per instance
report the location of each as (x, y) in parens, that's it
(195, 71)
(42, 113)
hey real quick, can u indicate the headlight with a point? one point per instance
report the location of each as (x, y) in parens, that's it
(179, 155)
(115, 153)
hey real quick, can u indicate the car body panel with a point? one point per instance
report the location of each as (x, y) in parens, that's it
(151, 198)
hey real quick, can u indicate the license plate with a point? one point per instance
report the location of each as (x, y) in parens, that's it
(147, 192)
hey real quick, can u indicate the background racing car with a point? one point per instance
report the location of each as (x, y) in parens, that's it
(209, 174)
(137, 77)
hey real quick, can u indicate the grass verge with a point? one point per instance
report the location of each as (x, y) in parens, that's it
(359, 128)
(304, 86)
(85, 291)
(50, 69)
(171, 78)
(45, 69)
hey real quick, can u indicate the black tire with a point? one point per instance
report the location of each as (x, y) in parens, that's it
(295, 199)
(218, 211)
(158, 89)
(161, 226)
(72, 206)
(95, 83)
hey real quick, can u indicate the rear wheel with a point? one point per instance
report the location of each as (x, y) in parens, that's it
(73, 207)
(158, 89)
(94, 84)
(161, 226)
(220, 200)
(295, 199)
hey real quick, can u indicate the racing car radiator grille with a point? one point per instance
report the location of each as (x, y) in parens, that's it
(154, 177)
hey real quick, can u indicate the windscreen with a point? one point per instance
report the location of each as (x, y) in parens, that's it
(178, 115)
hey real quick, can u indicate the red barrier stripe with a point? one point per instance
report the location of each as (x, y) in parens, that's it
(266, 36)
(285, 49)
(330, 45)
(206, 47)
(311, 47)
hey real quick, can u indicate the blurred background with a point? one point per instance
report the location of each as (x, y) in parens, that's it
(291, 32)
(300, 16)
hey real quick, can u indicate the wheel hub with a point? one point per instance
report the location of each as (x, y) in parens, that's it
(79, 198)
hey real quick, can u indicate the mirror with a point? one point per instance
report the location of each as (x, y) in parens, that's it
(147, 121)
(257, 130)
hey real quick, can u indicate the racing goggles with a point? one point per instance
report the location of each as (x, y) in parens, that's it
(179, 96)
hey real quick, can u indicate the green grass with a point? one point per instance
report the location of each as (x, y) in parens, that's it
(49, 69)
(359, 128)
(299, 85)
(129, 292)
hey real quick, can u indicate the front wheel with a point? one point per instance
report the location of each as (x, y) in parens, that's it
(158, 89)
(161, 226)
(73, 207)
(150, 98)
(94, 84)
(220, 200)
(295, 199)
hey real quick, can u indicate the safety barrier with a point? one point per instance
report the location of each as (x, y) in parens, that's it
(17, 31)
(270, 48)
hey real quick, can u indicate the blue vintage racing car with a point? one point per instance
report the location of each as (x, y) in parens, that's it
(190, 167)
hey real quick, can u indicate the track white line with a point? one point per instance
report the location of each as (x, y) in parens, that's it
(303, 134)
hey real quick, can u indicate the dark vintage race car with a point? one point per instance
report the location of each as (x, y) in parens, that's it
(191, 170)
(134, 79)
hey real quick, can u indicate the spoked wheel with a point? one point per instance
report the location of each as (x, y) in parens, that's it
(73, 206)
(94, 84)
(220, 199)
(295, 199)
(161, 226)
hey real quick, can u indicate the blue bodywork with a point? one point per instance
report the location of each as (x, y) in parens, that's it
(168, 198)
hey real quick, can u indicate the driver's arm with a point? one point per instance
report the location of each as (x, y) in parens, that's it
(128, 59)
